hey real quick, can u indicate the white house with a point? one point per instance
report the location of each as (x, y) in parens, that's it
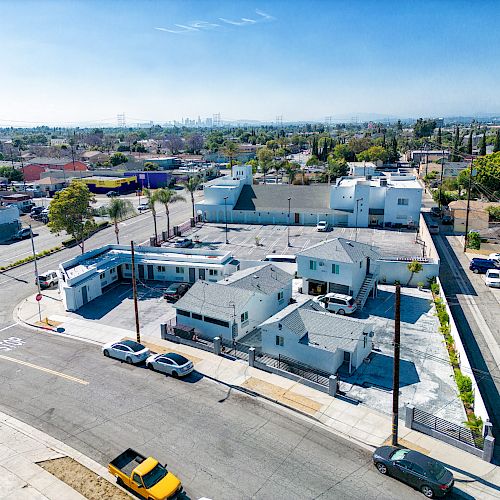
(390, 201)
(235, 305)
(361, 168)
(88, 276)
(316, 338)
(338, 265)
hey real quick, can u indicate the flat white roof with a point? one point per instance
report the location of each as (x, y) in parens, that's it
(398, 183)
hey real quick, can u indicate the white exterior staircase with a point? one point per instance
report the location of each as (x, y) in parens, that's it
(367, 286)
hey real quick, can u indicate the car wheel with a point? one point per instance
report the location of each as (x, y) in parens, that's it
(106, 353)
(475, 271)
(175, 374)
(427, 491)
(381, 468)
(128, 360)
(341, 312)
(150, 366)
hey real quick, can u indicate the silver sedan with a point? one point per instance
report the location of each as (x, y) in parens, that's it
(171, 364)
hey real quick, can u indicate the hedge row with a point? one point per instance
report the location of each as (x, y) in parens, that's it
(71, 242)
(43, 253)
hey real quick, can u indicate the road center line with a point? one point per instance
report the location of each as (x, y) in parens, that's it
(46, 370)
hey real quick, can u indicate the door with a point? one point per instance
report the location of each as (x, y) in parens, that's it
(201, 274)
(297, 218)
(151, 275)
(141, 272)
(367, 265)
(84, 295)
(401, 470)
(192, 276)
(136, 483)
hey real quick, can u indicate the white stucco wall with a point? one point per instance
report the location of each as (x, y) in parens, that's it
(403, 214)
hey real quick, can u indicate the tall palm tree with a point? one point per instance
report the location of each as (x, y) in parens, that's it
(230, 150)
(166, 196)
(118, 210)
(191, 185)
(151, 196)
(291, 171)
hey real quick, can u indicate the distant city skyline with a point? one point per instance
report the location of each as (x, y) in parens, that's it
(82, 62)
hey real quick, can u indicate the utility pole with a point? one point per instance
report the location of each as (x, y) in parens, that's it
(36, 274)
(426, 160)
(395, 373)
(466, 237)
(134, 289)
(288, 226)
(441, 183)
(225, 217)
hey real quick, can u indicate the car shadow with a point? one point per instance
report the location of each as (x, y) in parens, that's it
(181, 496)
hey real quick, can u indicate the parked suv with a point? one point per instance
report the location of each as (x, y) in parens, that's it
(337, 303)
(23, 233)
(36, 211)
(482, 265)
(48, 279)
(175, 291)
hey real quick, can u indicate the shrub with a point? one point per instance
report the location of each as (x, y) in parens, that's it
(473, 241)
(464, 383)
(435, 288)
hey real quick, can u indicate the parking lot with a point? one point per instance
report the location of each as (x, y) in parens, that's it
(254, 242)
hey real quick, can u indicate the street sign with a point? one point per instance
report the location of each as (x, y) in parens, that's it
(38, 297)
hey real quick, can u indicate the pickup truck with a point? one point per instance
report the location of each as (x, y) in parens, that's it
(145, 476)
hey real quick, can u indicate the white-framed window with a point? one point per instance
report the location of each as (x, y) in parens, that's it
(335, 269)
(280, 295)
(161, 269)
(244, 316)
(403, 201)
(213, 272)
(179, 270)
(280, 341)
(312, 265)
(102, 275)
(401, 216)
(360, 264)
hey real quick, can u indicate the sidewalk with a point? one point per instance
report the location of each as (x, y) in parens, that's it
(359, 423)
(22, 449)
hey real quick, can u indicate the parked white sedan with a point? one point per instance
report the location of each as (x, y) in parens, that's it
(171, 364)
(494, 256)
(492, 278)
(126, 350)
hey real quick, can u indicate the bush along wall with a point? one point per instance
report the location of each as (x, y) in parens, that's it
(20, 262)
(464, 382)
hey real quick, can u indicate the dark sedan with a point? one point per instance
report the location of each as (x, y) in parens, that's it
(415, 469)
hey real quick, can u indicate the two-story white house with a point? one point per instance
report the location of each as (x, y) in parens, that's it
(235, 305)
(338, 265)
(309, 335)
(387, 201)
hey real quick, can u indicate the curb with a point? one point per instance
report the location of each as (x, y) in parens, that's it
(9, 268)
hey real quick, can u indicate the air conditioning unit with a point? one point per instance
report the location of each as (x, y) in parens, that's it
(371, 334)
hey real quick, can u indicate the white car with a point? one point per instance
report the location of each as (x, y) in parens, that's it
(129, 351)
(143, 207)
(322, 226)
(494, 256)
(337, 303)
(48, 279)
(492, 278)
(171, 363)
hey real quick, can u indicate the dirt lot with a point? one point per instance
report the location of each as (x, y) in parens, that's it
(83, 480)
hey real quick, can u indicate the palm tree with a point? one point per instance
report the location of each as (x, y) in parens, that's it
(165, 196)
(151, 196)
(191, 185)
(118, 210)
(230, 150)
(291, 172)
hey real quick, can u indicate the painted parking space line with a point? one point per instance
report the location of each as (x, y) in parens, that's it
(7, 327)
(46, 370)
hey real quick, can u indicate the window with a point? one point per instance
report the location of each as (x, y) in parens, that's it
(181, 312)
(244, 317)
(215, 321)
(137, 479)
(179, 270)
(102, 275)
(213, 272)
(335, 269)
(403, 201)
(196, 316)
(360, 264)
(113, 270)
(280, 295)
(161, 269)
(312, 265)
(127, 266)
(280, 341)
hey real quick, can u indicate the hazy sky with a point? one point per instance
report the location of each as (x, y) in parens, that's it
(78, 61)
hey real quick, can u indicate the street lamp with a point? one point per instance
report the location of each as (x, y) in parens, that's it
(356, 234)
(225, 216)
(288, 226)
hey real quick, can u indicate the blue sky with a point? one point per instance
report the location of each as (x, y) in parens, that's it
(79, 61)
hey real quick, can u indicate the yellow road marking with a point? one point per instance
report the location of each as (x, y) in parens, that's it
(46, 370)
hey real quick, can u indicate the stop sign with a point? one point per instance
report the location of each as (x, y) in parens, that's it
(38, 297)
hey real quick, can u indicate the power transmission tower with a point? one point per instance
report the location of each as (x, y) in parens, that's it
(279, 121)
(120, 118)
(216, 120)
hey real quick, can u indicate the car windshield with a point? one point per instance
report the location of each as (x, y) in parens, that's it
(173, 287)
(436, 470)
(399, 454)
(136, 347)
(494, 275)
(44, 277)
(154, 476)
(180, 360)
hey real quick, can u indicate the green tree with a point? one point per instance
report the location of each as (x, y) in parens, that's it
(473, 240)
(265, 157)
(469, 143)
(291, 171)
(11, 174)
(455, 156)
(70, 211)
(373, 154)
(482, 151)
(166, 197)
(117, 159)
(191, 185)
(439, 137)
(488, 173)
(494, 213)
(150, 166)
(344, 151)
(496, 146)
(230, 150)
(336, 168)
(151, 198)
(414, 267)
(424, 128)
(117, 210)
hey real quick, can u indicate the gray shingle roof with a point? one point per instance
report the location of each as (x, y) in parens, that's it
(212, 299)
(314, 198)
(266, 279)
(341, 250)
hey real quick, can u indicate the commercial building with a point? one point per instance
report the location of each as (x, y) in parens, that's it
(10, 222)
(47, 186)
(151, 179)
(479, 218)
(450, 169)
(88, 276)
(101, 184)
(164, 162)
(34, 169)
(319, 339)
(235, 305)
(421, 155)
